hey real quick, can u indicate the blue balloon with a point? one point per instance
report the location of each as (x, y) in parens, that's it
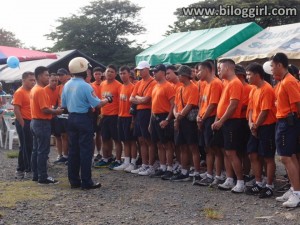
(13, 62)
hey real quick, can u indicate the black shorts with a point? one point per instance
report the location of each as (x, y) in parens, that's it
(109, 127)
(264, 144)
(125, 133)
(244, 135)
(157, 133)
(187, 133)
(142, 121)
(287, 137)
(53, 131)
(61, 125)
(208, 132)
(230, 131)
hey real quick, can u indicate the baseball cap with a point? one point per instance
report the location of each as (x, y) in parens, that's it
(184, 71)
(240, 70)
(143, 65)
(62, 71)
(159, 67)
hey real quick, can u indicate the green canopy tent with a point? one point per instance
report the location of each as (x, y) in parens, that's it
(195, 46)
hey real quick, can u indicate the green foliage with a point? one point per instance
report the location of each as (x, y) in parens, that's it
(185, 23)
(100, 31)
(8, 38)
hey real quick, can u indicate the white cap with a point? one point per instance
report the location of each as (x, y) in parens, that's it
(78, 65)
(143, 65)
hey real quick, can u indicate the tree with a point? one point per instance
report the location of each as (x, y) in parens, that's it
(101, 30)
(197, 22)
(8, 38)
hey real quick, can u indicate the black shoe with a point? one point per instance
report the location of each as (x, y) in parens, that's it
(247, 178)
(49, 180)
(97, 158)
(266, 193)
(167, 176)
(75, 186)
(158, 174)
(35, 179)
(254, 190)
(180, 177)
(94, 186)
(196, 179)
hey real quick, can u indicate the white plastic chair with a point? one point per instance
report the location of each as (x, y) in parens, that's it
(11, 132)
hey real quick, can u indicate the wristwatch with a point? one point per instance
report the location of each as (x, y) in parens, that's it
(167, 119)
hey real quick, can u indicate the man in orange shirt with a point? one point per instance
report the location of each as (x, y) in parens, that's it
(287, 127)
(21, 102)
(109, 121)
(208, 106)
(40, 126)
(160, 127)
(141, 96)
(262, 120)
(228, 123)
(172, 77)
(125, 123)
(185, 130)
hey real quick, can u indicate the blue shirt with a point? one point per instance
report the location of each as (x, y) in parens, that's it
(78, 96)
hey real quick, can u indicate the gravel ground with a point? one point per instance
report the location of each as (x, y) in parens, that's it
(130, 199)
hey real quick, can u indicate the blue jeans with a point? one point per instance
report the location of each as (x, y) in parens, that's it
(25, 137)
(81, 134)
(41, 131)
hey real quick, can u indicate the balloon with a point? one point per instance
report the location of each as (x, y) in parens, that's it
(13, 62)
(267, 67)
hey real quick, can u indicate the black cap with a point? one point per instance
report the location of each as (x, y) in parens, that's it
(62, 71)
(184, 71)
(159, 67)
(240, 70)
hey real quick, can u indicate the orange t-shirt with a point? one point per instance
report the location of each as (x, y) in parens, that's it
(60, 90)
(22, 99)
(124, 104)
(232, 90)
(211, 95)
(53, 95)
(110, 89)
(39, 100)
(287, 95)
(263, 98)
(161, 96)
(139, 89)
(201, 86)
(245, 99)
(177, 86)
(189, 96)
(97, 89)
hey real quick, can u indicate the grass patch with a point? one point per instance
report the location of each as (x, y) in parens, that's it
(12, 154)
(212, 214)
(16, 191)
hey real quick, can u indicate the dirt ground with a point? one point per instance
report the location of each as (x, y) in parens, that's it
(130, 199)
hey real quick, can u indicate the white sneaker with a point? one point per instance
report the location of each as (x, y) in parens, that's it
(192, 174)
(285, 196)
(227, 185)
(294, 201)
(129, 168)
(147, 172)
(203, 175)
(238, 188)
(142, 168)
(121, 167)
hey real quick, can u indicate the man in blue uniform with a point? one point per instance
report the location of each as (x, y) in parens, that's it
(79, 97)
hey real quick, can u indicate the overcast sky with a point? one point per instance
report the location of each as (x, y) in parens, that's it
(31, 19)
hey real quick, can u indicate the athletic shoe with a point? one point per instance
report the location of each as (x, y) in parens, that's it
(192, 172)
(176, 166)
(206, 181)
(254, 190)
(292, 202)
(266, 193)
(97, 158)
(28, 176)
(94, 186)
(156, 165)
(226, 186)
(122, 167)
(114, 164)
(142, 168)
(19, 175)
(129, 168)
(49, 180)
(285, 196)
(102, 163)
(158, 173)
(196, 179)
(180, 177)
(250, 183)
(203, 175)
(216, 182)
(167, 176)
(61, 160)
(238, 189)
(203, 163)
(147, 172)
(248, 178)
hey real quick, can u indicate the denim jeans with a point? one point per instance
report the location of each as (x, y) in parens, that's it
(41, 131)
(25, 149)
(80, 133)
